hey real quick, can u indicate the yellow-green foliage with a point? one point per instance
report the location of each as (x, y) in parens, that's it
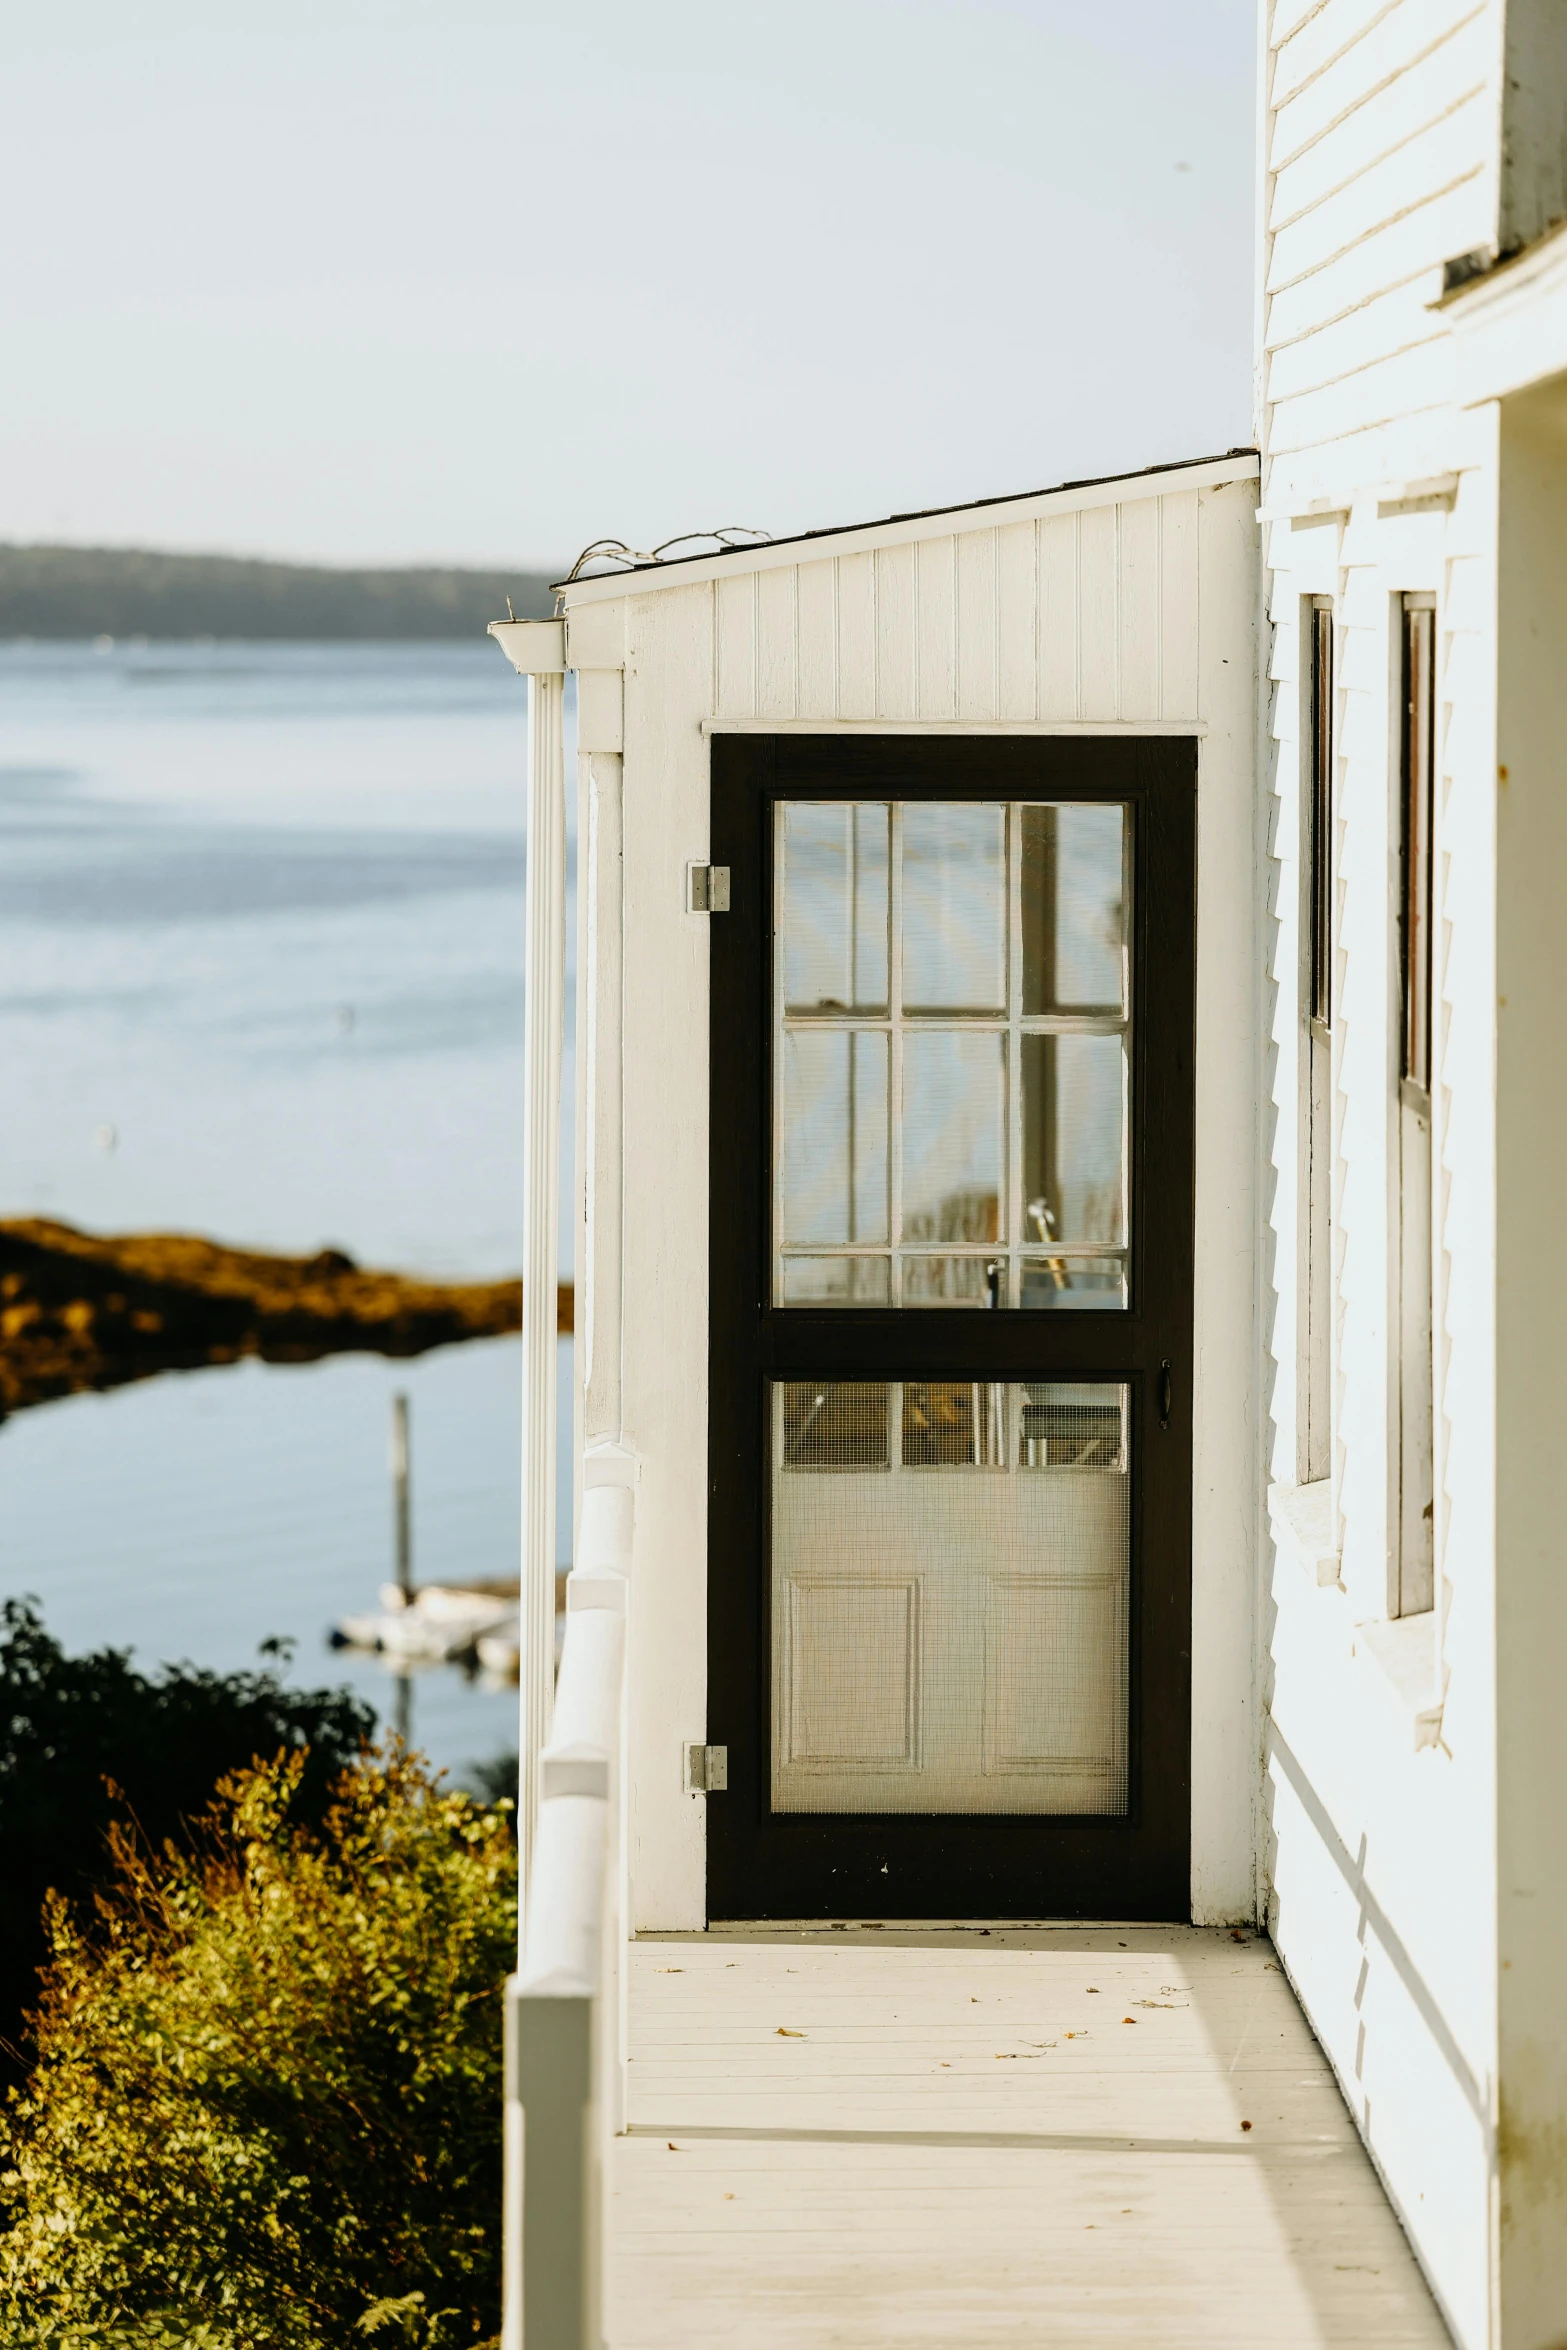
(265, 2113)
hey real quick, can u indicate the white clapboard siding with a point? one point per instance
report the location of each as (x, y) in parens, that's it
(1436, 156)
(1078, 616)
(1389, 390)
(1322, 115)
(1405, 251)
(1310, 38)
(1434, 86)
(1381, 328)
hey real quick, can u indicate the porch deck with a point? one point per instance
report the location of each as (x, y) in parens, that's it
(948, 2138)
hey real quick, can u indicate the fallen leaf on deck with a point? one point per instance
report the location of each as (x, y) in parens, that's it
(1128, 2019)
(784, 2033)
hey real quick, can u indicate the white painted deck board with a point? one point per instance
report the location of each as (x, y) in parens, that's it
(967, 2145)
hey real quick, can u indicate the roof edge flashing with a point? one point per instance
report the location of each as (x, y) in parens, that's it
(1233, 465)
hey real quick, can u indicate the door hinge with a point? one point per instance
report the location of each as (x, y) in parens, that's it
(707, 889)
(707, 1769)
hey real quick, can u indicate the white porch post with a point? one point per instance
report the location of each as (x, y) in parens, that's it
(537, 649)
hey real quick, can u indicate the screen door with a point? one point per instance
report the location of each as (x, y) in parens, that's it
(951, 1328)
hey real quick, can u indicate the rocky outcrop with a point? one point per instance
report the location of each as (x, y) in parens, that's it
(79, 1312)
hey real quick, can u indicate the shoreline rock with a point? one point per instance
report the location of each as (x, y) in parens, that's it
(81, 1313)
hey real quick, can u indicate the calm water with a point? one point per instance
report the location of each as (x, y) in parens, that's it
(261, 956)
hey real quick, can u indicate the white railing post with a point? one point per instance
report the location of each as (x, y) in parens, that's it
(537, 648)
(565, 2040)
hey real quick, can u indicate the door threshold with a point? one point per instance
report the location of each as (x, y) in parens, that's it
(755, 1929)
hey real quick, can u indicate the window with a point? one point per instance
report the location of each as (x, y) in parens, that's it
(1413, 1582)
(1316, 1352)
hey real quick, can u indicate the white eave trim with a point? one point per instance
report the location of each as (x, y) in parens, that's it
(1187, 727)
(944, 522)
(1509, 328)
(535, 648)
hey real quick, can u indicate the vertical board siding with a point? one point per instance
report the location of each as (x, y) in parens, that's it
(977, 624)
(1178, 606)
(1089, 615)
(1058, 616)
(817, 639)
(1138, 614)
(895, 632)
(856, 636)
(1098, 630)
(1017, 628)
(734, 650)
(937, 592)
(775, 643)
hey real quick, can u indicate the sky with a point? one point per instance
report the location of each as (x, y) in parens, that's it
(393, 281)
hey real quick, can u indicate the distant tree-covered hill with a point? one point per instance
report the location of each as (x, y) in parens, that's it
(134, 591)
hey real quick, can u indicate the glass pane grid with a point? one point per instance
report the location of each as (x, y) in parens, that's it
(952, 983)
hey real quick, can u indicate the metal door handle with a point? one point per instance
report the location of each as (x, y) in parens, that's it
(1166, 1395)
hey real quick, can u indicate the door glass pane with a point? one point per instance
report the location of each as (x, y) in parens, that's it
(954, 1135)
(954, 907)
(949, 1606)
(835, 905)
(1074, 1138)
(835, 1135)
(1074, 943)
(932, 1280)
(835, 1281)
(1061, 1282)
(952, 1030)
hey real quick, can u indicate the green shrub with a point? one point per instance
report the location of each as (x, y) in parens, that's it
(265, 2108)
(70, 1724)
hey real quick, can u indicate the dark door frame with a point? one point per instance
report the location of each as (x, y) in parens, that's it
(799, 1865)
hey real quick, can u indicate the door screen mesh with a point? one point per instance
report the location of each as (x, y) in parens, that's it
(950, 1568)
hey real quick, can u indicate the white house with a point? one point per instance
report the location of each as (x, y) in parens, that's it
(1067, 1155)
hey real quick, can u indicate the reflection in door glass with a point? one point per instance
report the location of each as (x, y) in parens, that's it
(952, 1029)
(954, 907)
(1074, 952)
(954, 1135)
(835, 1135)
(1074, 1134)
(835, 905)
